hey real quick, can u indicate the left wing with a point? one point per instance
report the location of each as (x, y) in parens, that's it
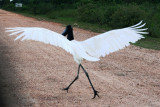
(41, 35)
(50, 37)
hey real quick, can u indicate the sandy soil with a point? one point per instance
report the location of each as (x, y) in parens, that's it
(33, 74)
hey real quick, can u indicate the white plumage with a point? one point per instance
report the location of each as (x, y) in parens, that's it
(91, 49)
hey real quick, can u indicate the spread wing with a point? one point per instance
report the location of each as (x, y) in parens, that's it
(42, 35)
(90, 49)
(113, 40)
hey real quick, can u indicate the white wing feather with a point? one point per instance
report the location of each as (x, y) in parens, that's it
(113, 40)
(42, 35)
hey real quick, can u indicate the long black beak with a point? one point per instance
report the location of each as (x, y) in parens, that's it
(67, 30)
(64, 32)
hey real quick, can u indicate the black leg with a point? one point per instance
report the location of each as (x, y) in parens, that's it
(73, 80)
(95, 92)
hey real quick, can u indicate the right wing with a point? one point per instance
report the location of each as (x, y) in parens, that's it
(113, 40)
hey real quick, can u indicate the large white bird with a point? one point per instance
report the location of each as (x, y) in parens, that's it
(91, 49)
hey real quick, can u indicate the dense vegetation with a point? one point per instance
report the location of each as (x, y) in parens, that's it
(94, 14)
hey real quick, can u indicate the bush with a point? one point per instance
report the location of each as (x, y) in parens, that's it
(108, 12)
(9, 6)
(89, 13)
(154, 25)
(42, 8)
(126, 16)
(62, 13)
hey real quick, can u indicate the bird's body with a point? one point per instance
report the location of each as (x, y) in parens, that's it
(91, 49)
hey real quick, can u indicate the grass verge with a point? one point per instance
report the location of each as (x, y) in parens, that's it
(149, 43)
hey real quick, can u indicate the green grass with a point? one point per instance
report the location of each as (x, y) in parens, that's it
(148, 42)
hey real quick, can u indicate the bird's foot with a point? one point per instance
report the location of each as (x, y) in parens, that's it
(95, 94)
(66, 89)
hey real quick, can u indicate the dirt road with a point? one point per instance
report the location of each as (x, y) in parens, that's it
(33, 74)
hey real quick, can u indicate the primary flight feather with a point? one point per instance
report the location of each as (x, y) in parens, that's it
(91, 49)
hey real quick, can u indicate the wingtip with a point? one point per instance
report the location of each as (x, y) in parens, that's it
(137, 24)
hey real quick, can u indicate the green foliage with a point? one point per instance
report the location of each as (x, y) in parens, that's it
(126, 16)
(154, 25)
(101, 15)
(42, 8)
(9, 6)
(54, 14)
(106, 14)
(89, 13)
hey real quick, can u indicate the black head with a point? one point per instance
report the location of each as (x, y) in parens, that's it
(68, 31)
(69, 27)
